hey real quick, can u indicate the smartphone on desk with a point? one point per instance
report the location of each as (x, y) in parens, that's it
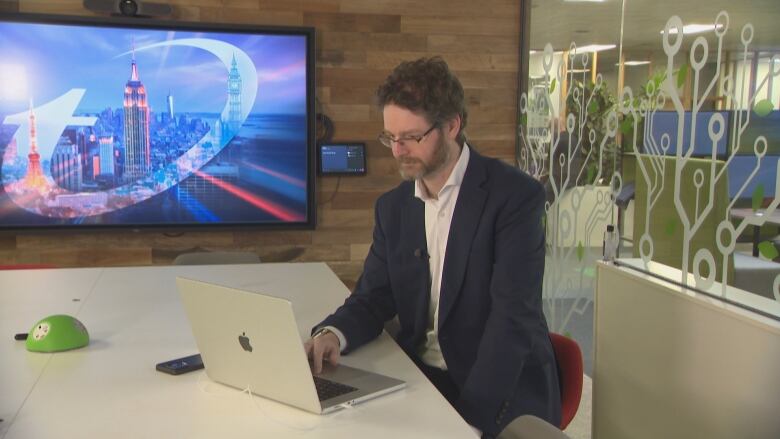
(181, 365)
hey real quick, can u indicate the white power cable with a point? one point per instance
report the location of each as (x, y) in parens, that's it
(203, 387)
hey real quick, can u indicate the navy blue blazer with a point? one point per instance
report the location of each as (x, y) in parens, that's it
(492, 331)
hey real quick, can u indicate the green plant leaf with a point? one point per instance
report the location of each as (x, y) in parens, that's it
(580, 251)
(658, 79)
(626, 126)
(593, 107)
(768, 250)
(763, 108)
(591, 173)
(671, 226)
(682, 75)
(552, 86)
(758, 197)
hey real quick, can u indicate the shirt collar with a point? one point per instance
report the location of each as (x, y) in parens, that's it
(455, 178)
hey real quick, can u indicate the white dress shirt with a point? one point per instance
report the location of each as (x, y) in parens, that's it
(438, 217)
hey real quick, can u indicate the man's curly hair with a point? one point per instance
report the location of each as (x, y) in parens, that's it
(426, 86)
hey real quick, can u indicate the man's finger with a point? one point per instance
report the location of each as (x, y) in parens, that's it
(307, 346)
(317, 357)
(333, 356)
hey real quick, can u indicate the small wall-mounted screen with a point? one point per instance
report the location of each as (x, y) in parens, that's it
(343, 158)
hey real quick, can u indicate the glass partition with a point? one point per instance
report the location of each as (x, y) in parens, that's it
(659, 118)
(568, 141)
(701, 141)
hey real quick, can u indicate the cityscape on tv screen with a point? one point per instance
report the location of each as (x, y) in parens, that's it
(122, 126)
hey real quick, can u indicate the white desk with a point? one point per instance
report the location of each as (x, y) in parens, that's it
(135, 320)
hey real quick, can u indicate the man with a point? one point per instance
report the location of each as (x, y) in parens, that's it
(458, 257)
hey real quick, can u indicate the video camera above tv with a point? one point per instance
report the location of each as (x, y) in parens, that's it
(129, 8)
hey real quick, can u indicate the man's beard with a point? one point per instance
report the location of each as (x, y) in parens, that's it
(420, 169)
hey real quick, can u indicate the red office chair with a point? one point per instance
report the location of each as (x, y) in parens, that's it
(25, 266)
(569, 358)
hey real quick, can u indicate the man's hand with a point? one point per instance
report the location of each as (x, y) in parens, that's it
(323, 347)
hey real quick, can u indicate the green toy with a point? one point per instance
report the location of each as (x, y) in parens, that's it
(57, 333)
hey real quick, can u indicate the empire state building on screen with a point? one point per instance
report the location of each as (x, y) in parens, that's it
(137, 148)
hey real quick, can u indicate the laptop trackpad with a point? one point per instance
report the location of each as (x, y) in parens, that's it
(368, 384)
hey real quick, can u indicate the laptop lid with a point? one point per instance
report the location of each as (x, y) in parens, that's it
(251, 341)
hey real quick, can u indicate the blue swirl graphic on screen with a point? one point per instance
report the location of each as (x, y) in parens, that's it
(40, 129)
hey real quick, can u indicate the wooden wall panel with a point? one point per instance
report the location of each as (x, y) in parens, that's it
(358, 43)
(9, 6)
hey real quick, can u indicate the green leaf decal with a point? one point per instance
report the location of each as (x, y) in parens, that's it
(552, 86)
(671, 226)
(682, 75)
(524, 119)
(580, 251)
(768, 250)
(763, 108)
(758, 197)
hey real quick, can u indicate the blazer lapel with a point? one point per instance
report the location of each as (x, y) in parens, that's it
(465, 220)
(414, 254)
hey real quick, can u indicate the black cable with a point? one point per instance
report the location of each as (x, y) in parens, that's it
(324, 129)
(333, 195)
(324, 124)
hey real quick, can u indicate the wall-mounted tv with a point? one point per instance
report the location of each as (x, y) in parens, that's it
(148, 124)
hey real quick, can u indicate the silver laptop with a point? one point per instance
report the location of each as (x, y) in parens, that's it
(251, 341)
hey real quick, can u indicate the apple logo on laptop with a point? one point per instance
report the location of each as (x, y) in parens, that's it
(243, 340)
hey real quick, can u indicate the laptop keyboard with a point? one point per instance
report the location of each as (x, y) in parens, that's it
(327, 389)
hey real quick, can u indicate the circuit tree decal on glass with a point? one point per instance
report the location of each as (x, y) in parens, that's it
(577, 166)
(579, 160)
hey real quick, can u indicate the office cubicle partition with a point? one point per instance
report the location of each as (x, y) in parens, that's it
(674, 363)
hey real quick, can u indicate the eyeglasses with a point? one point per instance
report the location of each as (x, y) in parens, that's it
(388, 140)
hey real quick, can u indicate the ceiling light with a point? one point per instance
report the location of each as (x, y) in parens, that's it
(594, 48)
(689, 29)
(634, 63)
(538, 51)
